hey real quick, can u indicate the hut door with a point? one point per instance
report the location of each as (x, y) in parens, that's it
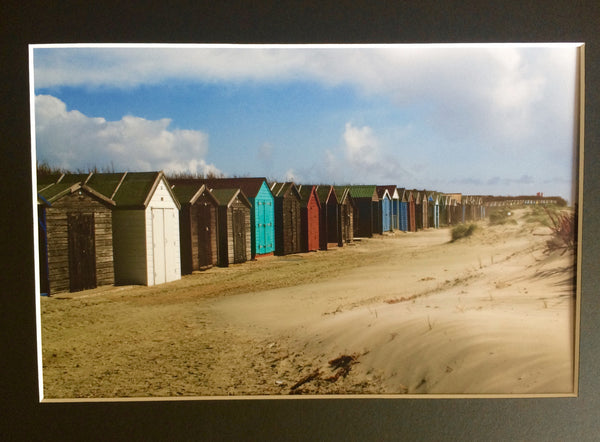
(158, 245)
(82, 251)
(345, 222)
(239, 236)
(204, 236)
(313, 228)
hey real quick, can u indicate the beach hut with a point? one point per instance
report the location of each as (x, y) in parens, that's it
(76, 243)
(329, 224)
(145, 226)
(346, 215)
(454, 208)
(262, 214)
(443, 203)
(197, 224)
(234, 226)
(434, 198)
(411, 210)
(394, 193)
(418, 209)
(287, 218)
(367, 203)
(42, 206)
(385, 207)
(310, 216)
(402, 209)
(425, 209)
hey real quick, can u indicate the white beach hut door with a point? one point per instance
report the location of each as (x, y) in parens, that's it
(158, 245)
(171, 238)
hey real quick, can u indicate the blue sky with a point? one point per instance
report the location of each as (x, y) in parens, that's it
(476, 119)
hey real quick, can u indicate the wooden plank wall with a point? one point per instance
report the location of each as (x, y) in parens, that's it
(194, 233)
(58, 239)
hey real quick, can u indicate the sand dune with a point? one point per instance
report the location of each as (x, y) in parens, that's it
(488, 315)
(405, 313)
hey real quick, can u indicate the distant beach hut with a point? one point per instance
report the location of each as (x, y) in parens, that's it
(234, 232)
(395, 194)
(347, 210)
(385, 208)
(425, 208)
(197, 225)
(145, 226)
(435, 210)
(329, 231)
(262, 214)
(443, 202)
(287, 218)
(310, 215)
(411, 210)
(418, 209)
(403, 210)
(76, 243)
(367, 202)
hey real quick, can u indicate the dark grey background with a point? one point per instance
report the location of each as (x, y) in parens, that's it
(22, 416)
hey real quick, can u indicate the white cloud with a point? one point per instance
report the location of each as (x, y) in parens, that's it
(70, 139)
(362, 158)
(360, 145)
(291, 175)
(501, 92)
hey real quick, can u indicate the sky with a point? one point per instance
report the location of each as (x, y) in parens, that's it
(474, 119)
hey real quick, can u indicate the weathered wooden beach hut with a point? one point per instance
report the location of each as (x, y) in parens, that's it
(329, 224)
(402, 209)
(411, 210)
(367, 202)
(234, 227)
(425, 208)
(310, 215)
(197, 224)
(287, 218)
(262, 214)
(454, 208)
(396, 195)
(443, 202)
(145, 226)
(418, 195)
(385, 193)
(76, 243)
(434, 210)
(346, 215)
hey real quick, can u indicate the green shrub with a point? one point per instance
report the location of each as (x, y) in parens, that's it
(501, 216)
(462, 231)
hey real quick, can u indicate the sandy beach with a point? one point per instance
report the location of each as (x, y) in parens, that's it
(400, 313)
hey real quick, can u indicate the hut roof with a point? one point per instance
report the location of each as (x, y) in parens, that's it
(250, 186)
(391, 189)
(105, 183)
(187, 191)
(72, 178)
(382, 191)
(280, 189)
(49, 178)
(56, 191)
(341, 192)
(364, 192)
(305, 192)
(226, 196)
(135, 189)
(325, 192)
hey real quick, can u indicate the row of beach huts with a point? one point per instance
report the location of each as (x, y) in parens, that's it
(143, 228)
